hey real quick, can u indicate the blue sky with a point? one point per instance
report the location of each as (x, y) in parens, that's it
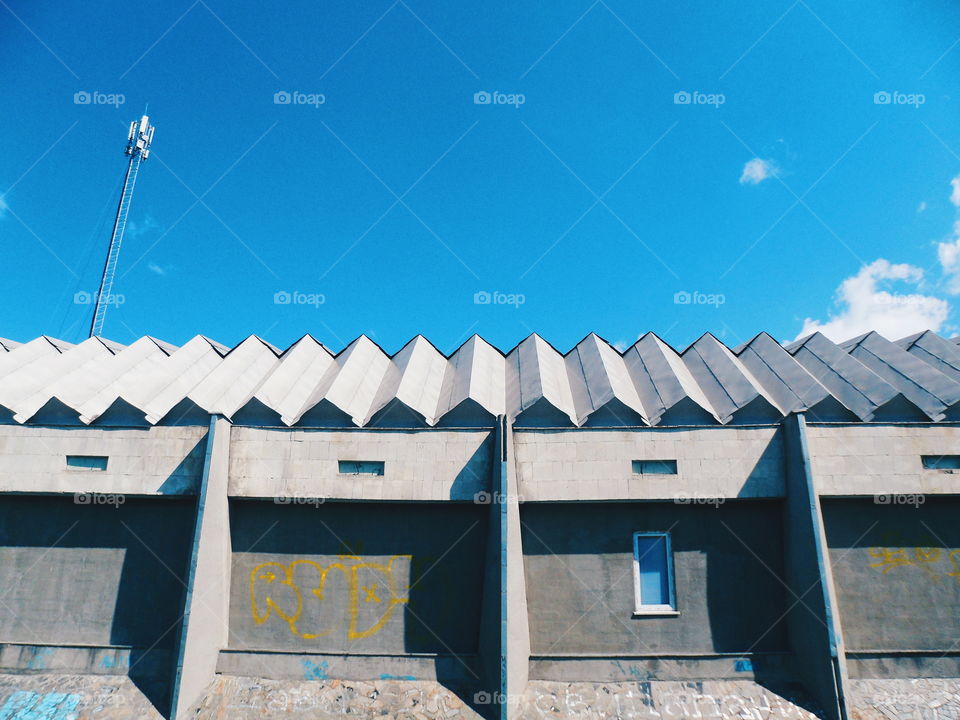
(586, 196)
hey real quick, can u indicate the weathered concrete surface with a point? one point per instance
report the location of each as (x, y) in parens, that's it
(454, 670)
(418, 465)
(597, 464)
(205, 625)
(874, 459)
(369, 578)
(728, 568)
(517, 620)
(92, 574)
(73, 697)
(897, 572)
(159, 460)
(747, 666)
(920, 699)
(736, 700)
(20, 658)
(813, 625)
(247, 698)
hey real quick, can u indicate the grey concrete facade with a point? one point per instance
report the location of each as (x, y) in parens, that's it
(488, 568)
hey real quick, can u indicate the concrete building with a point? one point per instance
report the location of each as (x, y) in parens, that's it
(761, 532)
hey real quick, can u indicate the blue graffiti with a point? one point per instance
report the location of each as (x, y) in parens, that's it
(108, 661)
(311, 671)
(27, 705)
(39, 659)
(744, 665)
(384, 676)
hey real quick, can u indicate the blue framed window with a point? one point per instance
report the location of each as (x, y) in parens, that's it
(653, 574)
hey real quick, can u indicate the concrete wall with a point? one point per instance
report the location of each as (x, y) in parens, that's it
(897, 573)
(92, 575)
(399, 578)
(597, 464)
(164, 460)
(418, 465)
(728, 569)
(871, 459)
(205, 626)
(813, 629)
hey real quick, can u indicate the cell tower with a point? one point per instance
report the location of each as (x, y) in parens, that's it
(138, 149)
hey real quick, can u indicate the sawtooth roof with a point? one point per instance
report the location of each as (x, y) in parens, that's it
(868, 378)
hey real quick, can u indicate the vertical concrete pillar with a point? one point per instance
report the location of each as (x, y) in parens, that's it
(492, 624)
(813, 623)
(205, 625)
(516, 627)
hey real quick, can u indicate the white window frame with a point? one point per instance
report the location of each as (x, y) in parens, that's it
(639, 608)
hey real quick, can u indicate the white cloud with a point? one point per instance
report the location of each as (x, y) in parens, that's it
(955, 193)
(756, 171)
(156, 268)
(865, 306)
(922, 206)
(948, 253)
(135, 229)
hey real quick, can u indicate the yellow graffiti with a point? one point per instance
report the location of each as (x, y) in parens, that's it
(279, 575)
(889, 558)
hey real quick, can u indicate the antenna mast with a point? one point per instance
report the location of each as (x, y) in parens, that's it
(138, 149)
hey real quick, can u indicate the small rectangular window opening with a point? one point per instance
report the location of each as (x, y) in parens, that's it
(653, 574)
(655, 467)
(941, 462)
(87, 462)
(361, 467)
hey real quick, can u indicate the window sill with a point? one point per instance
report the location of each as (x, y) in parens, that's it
(656, 611)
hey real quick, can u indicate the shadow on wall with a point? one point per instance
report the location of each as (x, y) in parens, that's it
(361, 578)
(98, 574)
(474, 479)
(896, 569)
(766, 476)
(185, 478)
(729, 575)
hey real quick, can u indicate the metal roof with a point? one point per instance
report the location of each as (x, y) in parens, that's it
(868, 378)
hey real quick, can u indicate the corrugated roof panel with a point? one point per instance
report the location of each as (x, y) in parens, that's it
(543, 376)
(477, 372)
(22, 388)
(178, 375)
(237, 378)
(108, 379)
(662, 379)
(305, 370)
(853, 384)
(363, 366)
(779, 373)
(914, 378)
(726, 382)
(417, 382)
(927, 388)
(25, 354)
(605, 376)
(940, 354)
